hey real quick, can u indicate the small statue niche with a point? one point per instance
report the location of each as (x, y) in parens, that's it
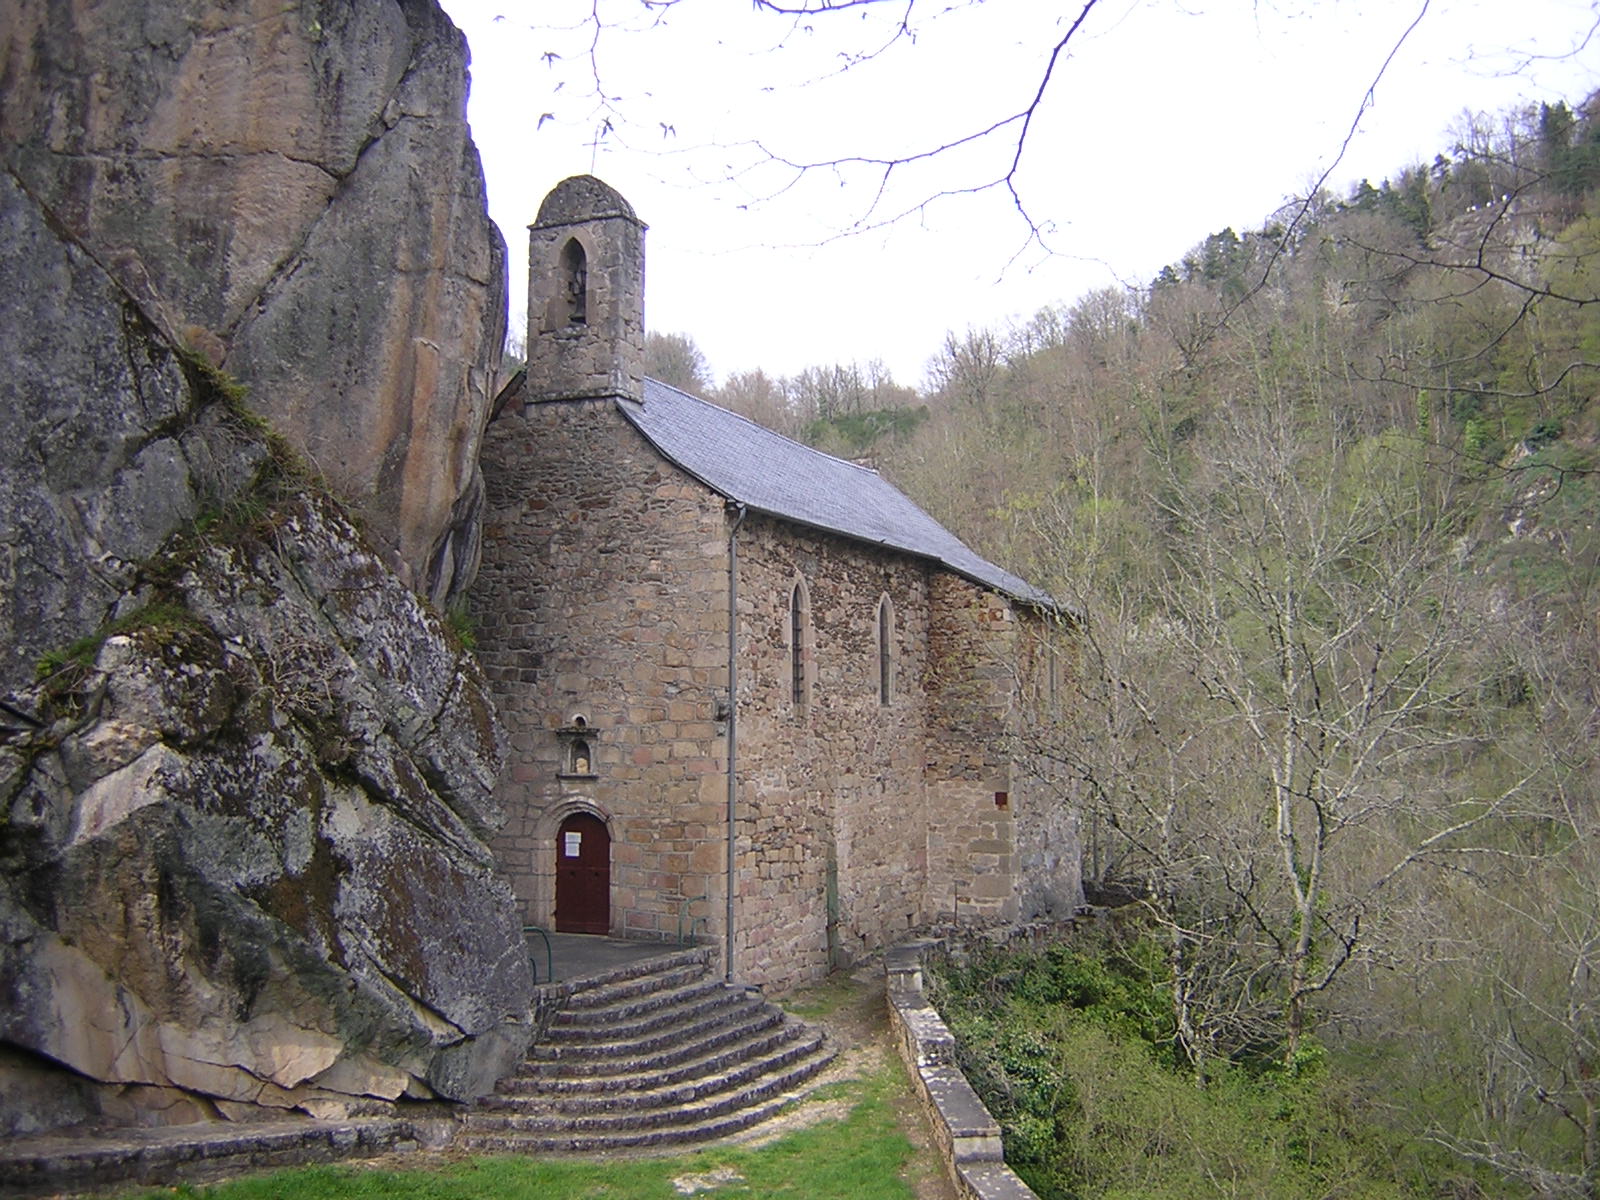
(577, 755)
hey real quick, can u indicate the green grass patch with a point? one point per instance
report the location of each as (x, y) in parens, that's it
(161, 616)
(210, 383)
(79, 654)
(859, 1157)
(825, 999)
(458, 620)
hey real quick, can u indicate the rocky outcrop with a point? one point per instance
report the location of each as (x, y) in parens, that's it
(95, 450)
(291, 191)
(243, 817)
(242, 861)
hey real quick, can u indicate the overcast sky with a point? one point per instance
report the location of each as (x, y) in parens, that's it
(1164, 121)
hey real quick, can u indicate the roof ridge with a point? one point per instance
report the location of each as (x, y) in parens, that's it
(746, 463)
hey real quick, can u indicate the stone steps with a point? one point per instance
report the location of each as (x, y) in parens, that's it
(641, 1017)
(693, 1080)
(653, 1108)
(759, 1033)
(576, 1142)
(653, 1054)
(679, 972)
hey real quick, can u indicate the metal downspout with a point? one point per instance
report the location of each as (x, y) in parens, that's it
(733, 729)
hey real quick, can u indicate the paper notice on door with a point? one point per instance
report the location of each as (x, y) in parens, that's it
(573, 841)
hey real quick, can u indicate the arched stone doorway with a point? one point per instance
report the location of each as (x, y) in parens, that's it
(583, 875)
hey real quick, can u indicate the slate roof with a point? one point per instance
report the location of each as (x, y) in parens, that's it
(771, 474)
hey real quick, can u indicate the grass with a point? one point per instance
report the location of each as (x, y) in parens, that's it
(861, 1156)
(458, 620)
(824, 1000)
(161, 615)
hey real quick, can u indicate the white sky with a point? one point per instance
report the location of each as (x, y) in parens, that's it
(1165, 121)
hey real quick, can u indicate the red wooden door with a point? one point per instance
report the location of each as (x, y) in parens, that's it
(583, 876)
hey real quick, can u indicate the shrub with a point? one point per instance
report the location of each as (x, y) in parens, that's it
(1073, 1053)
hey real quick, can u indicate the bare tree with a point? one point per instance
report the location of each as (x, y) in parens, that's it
(759, 396)
(1001, 135)
(1525, 930)
(1281, 730)
(1536, 965)
(675, 359)
(968, 367)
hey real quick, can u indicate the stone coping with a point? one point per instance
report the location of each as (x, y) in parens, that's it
(123, 1158)
(968, 1136)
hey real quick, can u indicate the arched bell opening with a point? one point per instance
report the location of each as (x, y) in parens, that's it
(575, 282)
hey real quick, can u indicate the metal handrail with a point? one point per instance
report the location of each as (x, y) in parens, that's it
(549, 954)
(683, 915)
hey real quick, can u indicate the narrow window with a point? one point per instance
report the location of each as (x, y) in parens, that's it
(885, 651)
(797, 646)
(575, 282)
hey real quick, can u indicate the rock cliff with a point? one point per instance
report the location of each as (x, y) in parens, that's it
(290, 190)
(243, 857)
(243, 815)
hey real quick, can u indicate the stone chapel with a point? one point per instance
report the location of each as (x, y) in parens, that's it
(755, 696)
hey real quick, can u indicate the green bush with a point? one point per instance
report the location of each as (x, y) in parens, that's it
(458, 620)
(1073, 1054)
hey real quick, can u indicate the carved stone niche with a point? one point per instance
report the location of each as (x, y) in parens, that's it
(577, 749)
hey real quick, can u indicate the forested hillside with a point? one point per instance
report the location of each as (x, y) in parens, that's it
(1325, 497)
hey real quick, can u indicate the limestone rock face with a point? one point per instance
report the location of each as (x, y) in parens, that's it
(242, 823)
(291, 191)
(103, 451)
(242, 859)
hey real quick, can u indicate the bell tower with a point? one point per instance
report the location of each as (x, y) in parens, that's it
(585, 294)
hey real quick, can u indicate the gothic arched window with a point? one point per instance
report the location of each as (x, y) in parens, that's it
(885, 650)
(799, 648)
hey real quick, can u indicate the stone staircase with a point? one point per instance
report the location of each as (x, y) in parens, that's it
(655, 1053)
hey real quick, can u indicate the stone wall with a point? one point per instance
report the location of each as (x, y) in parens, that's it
(603, 594)
(603, 597)
(967, 1135)
(1049, 851)
(833, 844)
(972, 805)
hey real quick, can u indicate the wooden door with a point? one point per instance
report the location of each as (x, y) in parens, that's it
(583, 876)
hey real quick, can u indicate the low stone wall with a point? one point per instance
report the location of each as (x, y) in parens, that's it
(968, 1137)
(49, 1166)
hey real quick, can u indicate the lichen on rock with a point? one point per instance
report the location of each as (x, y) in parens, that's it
(242, 815)
(198, 895)
(292, 191)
